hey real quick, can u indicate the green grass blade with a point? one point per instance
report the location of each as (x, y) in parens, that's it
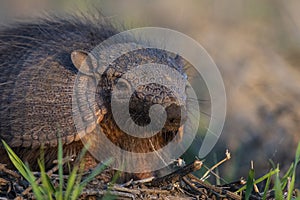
(292, 184)
(249, 184)
(18, 163)
(76, 193)
(24, 170)
(291, 187)
(267, 186)
(109, 196)
(268, 175)
(74, 189)
(95, 172)
(297, 156)
(115, 178)
(273, 166)
(271, 173)
(46, 182)
(277, 188)
(71, 182)
(297, 194)
(77, 190)
(83, 152)
(288, 174)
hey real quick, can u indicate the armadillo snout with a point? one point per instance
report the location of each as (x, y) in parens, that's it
(176, 115)
(142, 100)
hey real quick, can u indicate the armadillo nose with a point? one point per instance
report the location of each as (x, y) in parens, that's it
(176, 115)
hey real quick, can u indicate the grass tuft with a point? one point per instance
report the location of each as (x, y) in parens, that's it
(287, 182)
(46, 190)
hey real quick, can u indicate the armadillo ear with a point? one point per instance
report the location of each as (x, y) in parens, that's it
(84, 62)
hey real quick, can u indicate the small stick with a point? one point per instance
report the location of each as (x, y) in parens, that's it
(8, 171)
(145, 180)
(218, 164)
(100, 193)
(132, 182)
(216, 175)
(65, 160)
(156, 191)
(191, 185)
(213, 188)
(123, 189)
(175, 176)
(128, 183)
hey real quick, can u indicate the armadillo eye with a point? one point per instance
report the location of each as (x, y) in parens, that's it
(123, 85)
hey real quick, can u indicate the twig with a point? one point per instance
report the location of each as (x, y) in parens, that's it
(156, 191)
(175, 176)
(146, 180)
(101, 193)
(127, 183)
(198, 190)
(8, 171)
(213, 188)
(123, 189)
(218, 164)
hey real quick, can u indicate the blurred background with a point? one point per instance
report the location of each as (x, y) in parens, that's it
(255, 44)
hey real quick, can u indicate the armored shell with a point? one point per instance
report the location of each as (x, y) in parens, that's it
(39, 64)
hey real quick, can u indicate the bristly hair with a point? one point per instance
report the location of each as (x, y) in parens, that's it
(76, 28)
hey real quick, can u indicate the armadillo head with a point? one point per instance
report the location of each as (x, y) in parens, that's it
(140, 97)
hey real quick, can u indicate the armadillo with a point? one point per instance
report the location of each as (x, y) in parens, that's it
(40, 61)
